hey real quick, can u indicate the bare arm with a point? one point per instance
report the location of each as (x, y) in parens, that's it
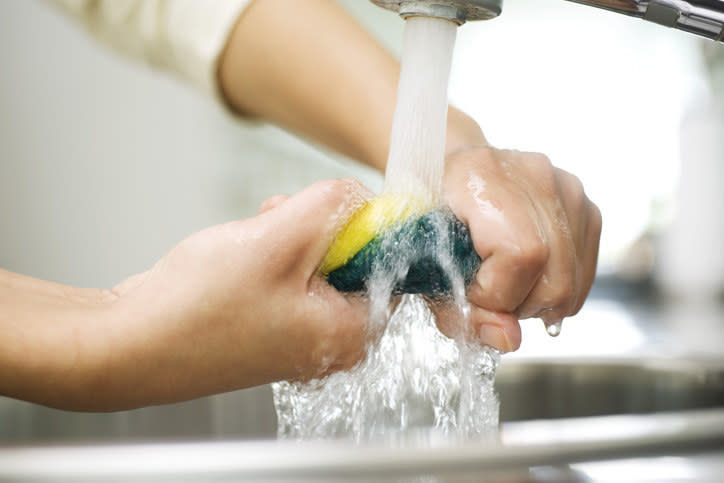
(308, 66)
(192, 325)
(50, 338)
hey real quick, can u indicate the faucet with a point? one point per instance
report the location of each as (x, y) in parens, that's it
(700, 17)
(458, 11)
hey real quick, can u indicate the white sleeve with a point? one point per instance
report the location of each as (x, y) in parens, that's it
(183, 36)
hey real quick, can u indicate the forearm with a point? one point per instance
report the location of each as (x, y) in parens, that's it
(156, 338)
(309, 67)
(93, 350)
(99, 350)
(306, 66)
(51, 340)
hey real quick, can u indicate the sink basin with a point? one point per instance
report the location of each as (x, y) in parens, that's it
(546, 389)
(554, 414)
(538, 389)
(524, 450)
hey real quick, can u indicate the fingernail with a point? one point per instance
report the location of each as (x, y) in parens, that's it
(495, 337)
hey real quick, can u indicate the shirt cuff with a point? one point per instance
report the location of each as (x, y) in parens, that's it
(197, 32)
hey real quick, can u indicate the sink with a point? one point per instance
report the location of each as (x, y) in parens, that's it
(542, 450)
(554, 414)
(528, 389)
(548, 389)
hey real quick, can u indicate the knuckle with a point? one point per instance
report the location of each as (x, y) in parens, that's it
(532, 255)
(337, 186)
(573, 186)
(336, 192)
(596, 221)
(563, 294)
(542, 170)
(576, 185)
(540, 163)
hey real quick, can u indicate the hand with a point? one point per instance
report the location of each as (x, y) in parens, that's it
(238, 305)
(536, 231)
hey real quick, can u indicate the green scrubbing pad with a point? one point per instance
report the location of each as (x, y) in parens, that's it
(430, 249)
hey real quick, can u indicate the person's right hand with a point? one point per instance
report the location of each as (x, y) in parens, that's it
(537, 233)
(237, 305)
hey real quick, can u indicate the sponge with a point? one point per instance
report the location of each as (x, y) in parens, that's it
(394, 236)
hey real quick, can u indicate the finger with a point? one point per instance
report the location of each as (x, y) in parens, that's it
(339, 329)
(504, 227)
(514, 254)
(585, 223)
(309, 220)
(495, 329)
(451, 320)
(590, 253)
(271, 203)
(351, 343)
(575, 203)
(505, 279)
(558, 290)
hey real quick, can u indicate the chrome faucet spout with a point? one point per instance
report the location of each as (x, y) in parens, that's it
(458, 11)
(700, 17)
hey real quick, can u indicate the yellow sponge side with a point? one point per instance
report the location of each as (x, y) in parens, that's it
(374, 217)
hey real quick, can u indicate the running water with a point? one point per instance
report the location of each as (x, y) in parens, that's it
(417, 143)
(416, 385)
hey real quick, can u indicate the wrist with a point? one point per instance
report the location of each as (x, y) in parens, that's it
(51, 348)
(462, 132)
(87, 367)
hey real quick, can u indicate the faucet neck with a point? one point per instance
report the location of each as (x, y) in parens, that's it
(700, 17)
(458, 11)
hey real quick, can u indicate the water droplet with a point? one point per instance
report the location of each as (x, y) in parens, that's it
(554, 329)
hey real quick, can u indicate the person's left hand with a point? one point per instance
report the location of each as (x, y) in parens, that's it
(536, 231)
(232, 306)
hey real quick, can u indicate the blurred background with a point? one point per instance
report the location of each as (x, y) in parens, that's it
(106, 164)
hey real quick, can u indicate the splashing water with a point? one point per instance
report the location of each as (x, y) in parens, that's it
(416, 385)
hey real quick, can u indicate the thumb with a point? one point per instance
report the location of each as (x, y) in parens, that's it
(317, 213)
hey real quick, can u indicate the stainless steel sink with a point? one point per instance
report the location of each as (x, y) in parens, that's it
(526, 451)
(541, 389)
(546, 389)
(555, 413)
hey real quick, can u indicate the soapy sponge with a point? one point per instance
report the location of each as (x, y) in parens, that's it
(399, 237)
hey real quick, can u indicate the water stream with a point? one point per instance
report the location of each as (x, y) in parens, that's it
(416, 385)
(415, 163)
